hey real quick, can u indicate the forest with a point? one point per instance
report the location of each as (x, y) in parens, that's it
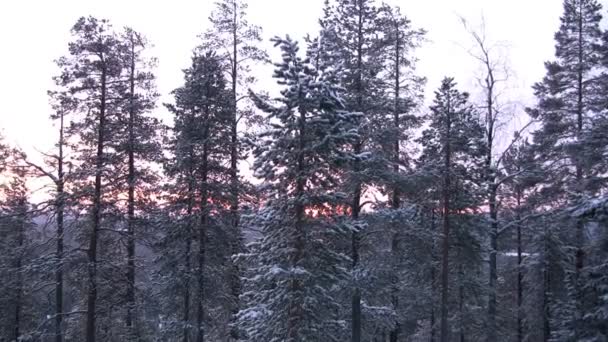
(344, 207)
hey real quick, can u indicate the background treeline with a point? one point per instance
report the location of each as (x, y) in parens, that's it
(368, 216)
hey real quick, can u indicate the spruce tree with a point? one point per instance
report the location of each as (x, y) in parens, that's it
(288, 288)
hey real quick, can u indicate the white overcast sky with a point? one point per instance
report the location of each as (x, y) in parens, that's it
(34, 33)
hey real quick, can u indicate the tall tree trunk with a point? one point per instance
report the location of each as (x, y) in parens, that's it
(492, 327)
(446, 231)
(97, 203)
(394, 333)
(131, 199)
(186, 308)
(356, 297)
(356, 324)
(234, 178)
(433, 280)
(16, 332)
(202, 239)
(295, 287)
(580, 254)
(491, 335)
(188, 266)
(461, 304)
(520, 275)
(60, 203)
(19, 276)
(546, 290)
(396, 116)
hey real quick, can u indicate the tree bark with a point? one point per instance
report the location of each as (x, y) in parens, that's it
(580, 253)
(520, 275)
(234, 176)
(60, 203)
(356, 201)
(491, 332)
(186, 308)
(295, 287)
(492, 194)
(202, 236)
(131, 197)
(97, 203)
(394, 333)
(189, 237)
(546, 290)
(446, 230)
(461, 304)
(433, 281)
(396, 116)
(19, 276)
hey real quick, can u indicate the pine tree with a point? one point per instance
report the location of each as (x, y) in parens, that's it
(238, 41)
(60, 203)
(141, 149)
(455, 139)
(568, 99)
(293, 264)
(91, 75)
(351, 40)
(404, 89)
(406, 93)
(55, 172)
(200, 181)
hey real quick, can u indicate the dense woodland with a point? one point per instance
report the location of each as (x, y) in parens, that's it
(341, 208)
